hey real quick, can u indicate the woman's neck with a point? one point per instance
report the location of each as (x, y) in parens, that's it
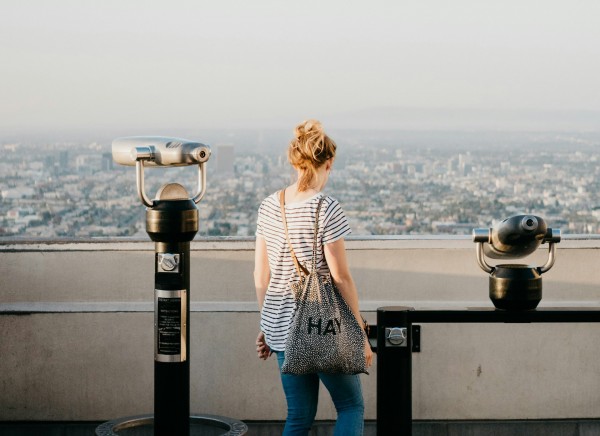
(293, 195)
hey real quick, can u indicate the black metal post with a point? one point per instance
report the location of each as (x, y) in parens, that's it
(394, 371)
(172, 224)
(395, 346)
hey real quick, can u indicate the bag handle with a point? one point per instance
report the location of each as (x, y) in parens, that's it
(299, 267)
(314, 255)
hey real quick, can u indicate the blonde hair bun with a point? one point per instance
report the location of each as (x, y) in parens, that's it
(308, 128)
(309, 149)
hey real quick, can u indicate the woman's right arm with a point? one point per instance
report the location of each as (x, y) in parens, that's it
(262, 274)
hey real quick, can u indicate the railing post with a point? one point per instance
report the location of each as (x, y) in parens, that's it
(394, 371)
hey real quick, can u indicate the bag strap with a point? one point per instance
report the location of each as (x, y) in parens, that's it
(299, 268)
(314, 255)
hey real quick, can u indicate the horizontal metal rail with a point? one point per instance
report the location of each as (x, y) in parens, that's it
(394, 357)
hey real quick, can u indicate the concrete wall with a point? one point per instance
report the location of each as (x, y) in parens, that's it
(77, 330)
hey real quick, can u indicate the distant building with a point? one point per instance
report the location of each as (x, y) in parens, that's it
(225, 159)
(63, 158)
(17, 193)
(88, 163)
(107, 162)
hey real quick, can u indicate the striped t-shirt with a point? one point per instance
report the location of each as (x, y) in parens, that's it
(279, 302)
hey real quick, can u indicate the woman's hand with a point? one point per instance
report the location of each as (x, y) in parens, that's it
(263, 350)
(368, 353)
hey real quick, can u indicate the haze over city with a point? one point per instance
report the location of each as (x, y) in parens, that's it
(165, 67)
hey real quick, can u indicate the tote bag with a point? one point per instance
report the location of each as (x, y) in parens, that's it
(324, 335)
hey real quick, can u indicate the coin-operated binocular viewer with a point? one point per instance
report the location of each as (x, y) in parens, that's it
(171, 222)
(141, 151)
(515, 286)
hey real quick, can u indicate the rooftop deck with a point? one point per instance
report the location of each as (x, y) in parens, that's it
(77, 323)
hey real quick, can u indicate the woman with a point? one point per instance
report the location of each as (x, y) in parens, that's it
(311, 153)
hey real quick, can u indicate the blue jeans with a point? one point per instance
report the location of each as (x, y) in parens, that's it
(302, 394)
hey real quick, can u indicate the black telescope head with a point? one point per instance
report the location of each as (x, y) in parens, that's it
(515, 237)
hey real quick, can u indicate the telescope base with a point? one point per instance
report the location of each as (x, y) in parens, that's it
(143, 425)
(515, 287)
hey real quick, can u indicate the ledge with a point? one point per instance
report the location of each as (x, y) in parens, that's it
(399, 242)
(30, 308)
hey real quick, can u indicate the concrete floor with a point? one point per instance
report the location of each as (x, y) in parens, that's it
(325, 428)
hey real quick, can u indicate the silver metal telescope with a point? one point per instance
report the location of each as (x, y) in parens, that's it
(158, 151)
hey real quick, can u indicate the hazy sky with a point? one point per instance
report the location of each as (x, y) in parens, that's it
(220, 63)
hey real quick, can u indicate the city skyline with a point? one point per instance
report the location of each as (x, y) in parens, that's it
(414, 184)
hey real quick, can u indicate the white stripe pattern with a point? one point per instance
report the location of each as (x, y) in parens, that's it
(279, 303)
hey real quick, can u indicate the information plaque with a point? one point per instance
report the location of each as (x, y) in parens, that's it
(170, 325)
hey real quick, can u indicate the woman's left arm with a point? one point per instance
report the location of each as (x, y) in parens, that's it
(335, 255)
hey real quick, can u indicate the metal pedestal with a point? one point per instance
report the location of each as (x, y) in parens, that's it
(172, 222)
